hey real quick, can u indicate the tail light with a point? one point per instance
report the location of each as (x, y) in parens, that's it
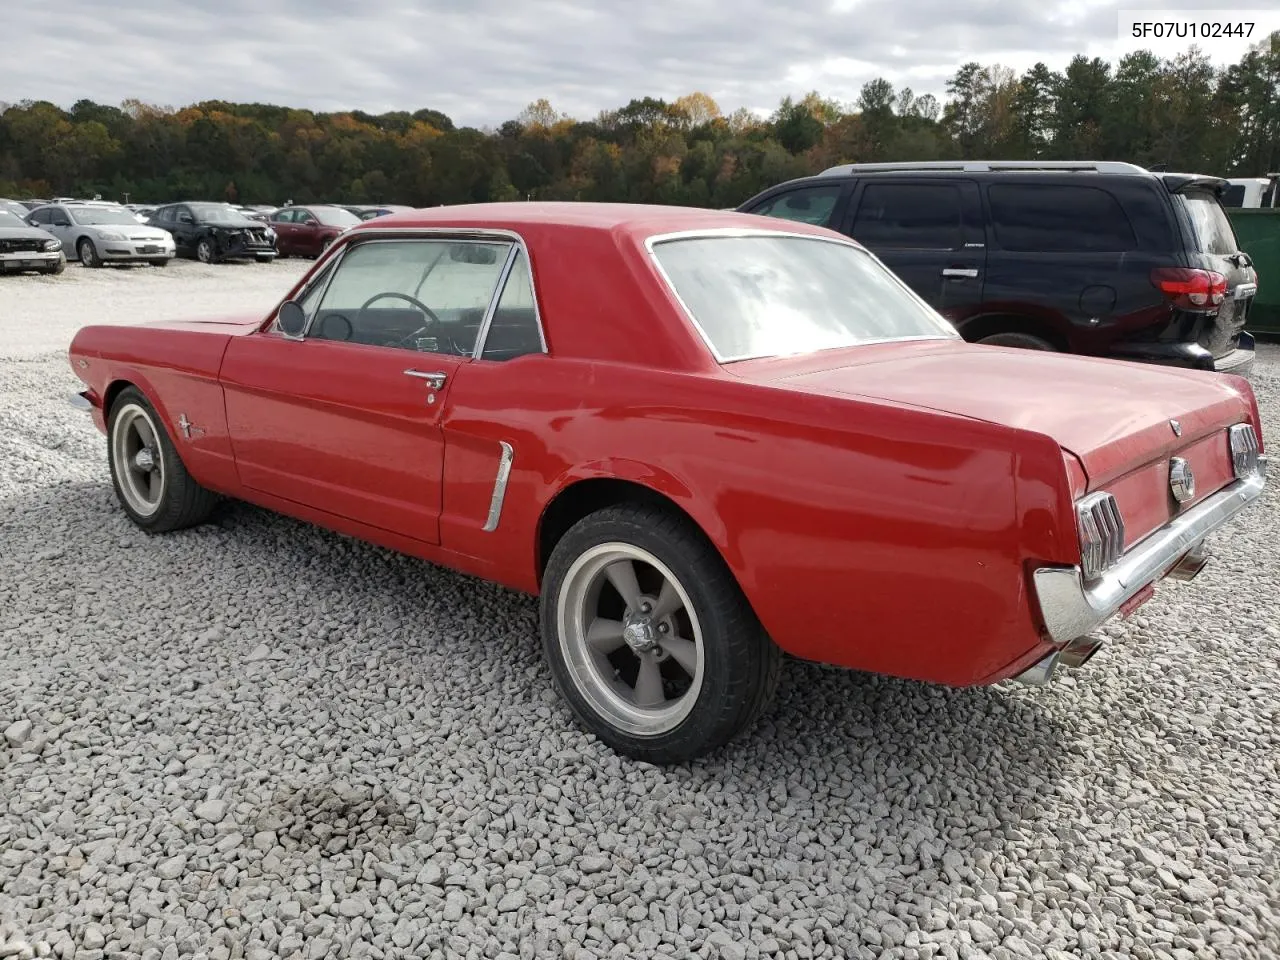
(1101, 531)
(1244, 450)
(1190, 289)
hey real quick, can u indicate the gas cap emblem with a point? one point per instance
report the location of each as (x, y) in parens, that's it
(1181, 480)
(1177, 428)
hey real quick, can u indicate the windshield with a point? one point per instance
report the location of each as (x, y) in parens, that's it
(9, 221)
(215, 211)
(1211, 224)
(16, 209)
(102, 216)
(334, 216)
(766, 295)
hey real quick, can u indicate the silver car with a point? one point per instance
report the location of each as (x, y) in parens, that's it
(99, 233)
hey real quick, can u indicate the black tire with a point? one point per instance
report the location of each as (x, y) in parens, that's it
(88, 253)
(740, 665)
(264, 259)
(205, 250)
(57, 268)
(181, 502)
(160, 263)
(1024, 341)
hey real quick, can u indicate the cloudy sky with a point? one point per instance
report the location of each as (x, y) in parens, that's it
(481, 61)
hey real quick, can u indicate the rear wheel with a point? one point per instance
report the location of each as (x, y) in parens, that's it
(205, 252)
(649, 638)
(1025, 341)
(149, 477)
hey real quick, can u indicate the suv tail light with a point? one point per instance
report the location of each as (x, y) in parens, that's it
(1101, 531)
(1190, 289)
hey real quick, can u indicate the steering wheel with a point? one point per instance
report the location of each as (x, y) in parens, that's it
(426, 312)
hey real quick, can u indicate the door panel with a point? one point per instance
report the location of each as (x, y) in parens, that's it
(341, 427)
(929, 232)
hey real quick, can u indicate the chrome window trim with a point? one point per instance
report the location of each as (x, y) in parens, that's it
(472, 234)
(499, 487)
(741, 232)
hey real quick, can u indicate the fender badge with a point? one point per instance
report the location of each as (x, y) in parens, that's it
(1177, 428)
(186, 426)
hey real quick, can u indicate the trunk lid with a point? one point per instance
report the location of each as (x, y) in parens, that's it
(1113, 415)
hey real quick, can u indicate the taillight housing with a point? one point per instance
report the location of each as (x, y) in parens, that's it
(1101, 530)
(1188, 289)
(1244, 450)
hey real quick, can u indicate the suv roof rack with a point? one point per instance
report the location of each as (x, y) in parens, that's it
(985, 166)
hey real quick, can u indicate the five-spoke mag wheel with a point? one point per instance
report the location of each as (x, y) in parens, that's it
(150, 479)
(649, 638)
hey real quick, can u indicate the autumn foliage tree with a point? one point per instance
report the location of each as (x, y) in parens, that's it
(1182, 112)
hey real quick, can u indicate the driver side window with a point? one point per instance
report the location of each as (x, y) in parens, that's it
(423, 295)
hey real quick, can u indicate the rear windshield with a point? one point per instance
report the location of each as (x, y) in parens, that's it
(1209, 222)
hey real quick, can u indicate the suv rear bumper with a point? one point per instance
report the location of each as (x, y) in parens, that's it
(1239, 361)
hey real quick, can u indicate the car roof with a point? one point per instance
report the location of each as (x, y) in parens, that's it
(636, 219)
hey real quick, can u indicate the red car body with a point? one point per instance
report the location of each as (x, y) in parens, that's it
(308, 231)
(908, 508)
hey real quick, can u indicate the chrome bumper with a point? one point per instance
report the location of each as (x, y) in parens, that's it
(1071, 608)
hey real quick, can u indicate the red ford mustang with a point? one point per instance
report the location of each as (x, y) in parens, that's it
(703, 438)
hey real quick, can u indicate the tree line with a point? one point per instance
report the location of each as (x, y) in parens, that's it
(1182, 113)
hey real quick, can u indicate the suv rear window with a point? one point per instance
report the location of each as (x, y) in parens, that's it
(1209, 223)
(909, 216)
(1053, 218)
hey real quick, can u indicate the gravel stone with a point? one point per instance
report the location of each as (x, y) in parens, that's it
(260, 740)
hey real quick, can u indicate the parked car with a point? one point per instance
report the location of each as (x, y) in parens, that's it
(1106, 259)
(102, 233)
(308, 231)
(372, 212)
(703, 439)
(32, 204)
(24, 247)
(1253, 193)
(214, 232)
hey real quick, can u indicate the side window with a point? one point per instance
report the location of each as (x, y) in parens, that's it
(166, 214)
(426, 295)
(184, 215)
(1233, 196)
(1048, 218)
(302, 216)
(807, 205)
(513, 332)
(40, 216)
(909, 216)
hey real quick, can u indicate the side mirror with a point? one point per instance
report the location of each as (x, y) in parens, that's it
(291, 319)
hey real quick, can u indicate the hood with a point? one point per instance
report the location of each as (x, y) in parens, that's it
(235, 223)
(234, 325)
(24, 233)
(1113, 415)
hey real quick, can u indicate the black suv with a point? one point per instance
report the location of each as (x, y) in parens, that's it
(1106, 259)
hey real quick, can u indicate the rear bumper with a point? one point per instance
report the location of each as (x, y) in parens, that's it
(1238, 361)
(1071, 609)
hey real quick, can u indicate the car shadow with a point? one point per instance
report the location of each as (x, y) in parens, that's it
(919, 785)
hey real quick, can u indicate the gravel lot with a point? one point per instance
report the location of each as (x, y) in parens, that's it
(257, 739)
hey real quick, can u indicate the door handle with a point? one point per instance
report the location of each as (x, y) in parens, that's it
(436, 378)
(960, 272)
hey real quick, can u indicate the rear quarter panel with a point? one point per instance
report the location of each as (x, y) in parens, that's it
(864, 534)
(176, 368)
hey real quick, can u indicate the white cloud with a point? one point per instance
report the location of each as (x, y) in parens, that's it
(482, 61)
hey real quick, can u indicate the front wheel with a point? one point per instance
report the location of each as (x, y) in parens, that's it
(160, 263)
(57, 268)
(650, 639)
(149, 477)
(88, 253)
